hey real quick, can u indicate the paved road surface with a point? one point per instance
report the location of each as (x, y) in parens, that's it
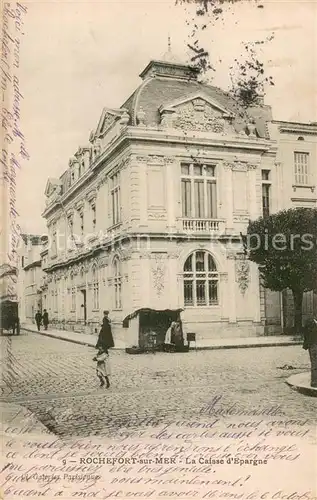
(56, 380)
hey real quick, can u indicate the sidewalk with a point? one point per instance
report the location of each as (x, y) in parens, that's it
(301, 383)
(77, 338)
(226, 343)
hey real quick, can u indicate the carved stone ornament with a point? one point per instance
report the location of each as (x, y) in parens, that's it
(80, 205)
(251, 127)
(107, 122)
(243, 274)
(231, 255)
(227, 165)
(141, 117)
(75, 270)
(241, 218)
(201, 117)
(239, 166)
(91, 196)
(142, 159)
(125, 254)
(173, 255)
(157, 160)
(125, 162)
(158, 273)
(157, 215)
(125, 118)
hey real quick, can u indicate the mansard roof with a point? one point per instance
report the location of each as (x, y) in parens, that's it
(158, 92)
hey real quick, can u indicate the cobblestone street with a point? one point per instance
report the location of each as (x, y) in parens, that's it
(56, 380)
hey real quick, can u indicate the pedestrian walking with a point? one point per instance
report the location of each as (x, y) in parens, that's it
(16, 325)
(103, 367)
(45, 319)
(38, 320)
(105, 339)
(310, 344)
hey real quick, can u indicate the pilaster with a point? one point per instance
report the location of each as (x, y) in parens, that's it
(227, 177)
(232, 289)
(252, 190)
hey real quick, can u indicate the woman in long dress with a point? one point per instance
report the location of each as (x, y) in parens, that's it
(105, 339)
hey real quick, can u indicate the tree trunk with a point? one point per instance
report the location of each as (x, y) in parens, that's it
(298, 315)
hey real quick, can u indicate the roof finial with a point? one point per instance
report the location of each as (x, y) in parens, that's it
(169, 43)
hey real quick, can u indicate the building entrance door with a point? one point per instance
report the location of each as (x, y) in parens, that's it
(84, 304)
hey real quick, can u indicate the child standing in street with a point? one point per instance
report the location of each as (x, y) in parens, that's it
(103, 367)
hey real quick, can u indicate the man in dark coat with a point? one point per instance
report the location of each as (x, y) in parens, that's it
(38, 320)
(105, 339)
(45, 319)
(310, 344)
(16, 325)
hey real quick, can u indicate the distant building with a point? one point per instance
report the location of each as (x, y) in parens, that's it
(8, 279)
(150, 212)
(30, 276)
(295, 184)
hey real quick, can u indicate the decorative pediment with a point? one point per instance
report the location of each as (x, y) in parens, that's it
(108, 118)
(198, 112)
(53, 186)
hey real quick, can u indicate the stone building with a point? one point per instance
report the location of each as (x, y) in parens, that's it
(30, 276)
(150, 212)
(296, 183)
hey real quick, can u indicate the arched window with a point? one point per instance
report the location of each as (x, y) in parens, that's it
(95, 286)
(117, 283)
(200, 280)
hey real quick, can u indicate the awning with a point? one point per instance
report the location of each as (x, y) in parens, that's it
(148, 309)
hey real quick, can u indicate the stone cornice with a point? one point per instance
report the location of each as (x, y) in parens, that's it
(116, 242)
(296, 127)
(157, 136)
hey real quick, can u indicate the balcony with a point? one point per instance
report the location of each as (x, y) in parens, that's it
(203, 225)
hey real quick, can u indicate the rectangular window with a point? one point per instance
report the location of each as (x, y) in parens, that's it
(211, 200)
(266, 175)
(70, 229)
(73, 304)
(301, 165)
(115, 199)
(199, 191)
(201, 292)
(199, 199)
(213, 292)
(93, 214)
(266, 199)
(81, 223)
(96, 295)
(54, 240)
(186, 198)
(188, 293)
(117, 293)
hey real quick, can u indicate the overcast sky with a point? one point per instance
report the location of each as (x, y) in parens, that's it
(78, 57)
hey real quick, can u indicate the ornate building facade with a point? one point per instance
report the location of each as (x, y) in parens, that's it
(149, 214)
